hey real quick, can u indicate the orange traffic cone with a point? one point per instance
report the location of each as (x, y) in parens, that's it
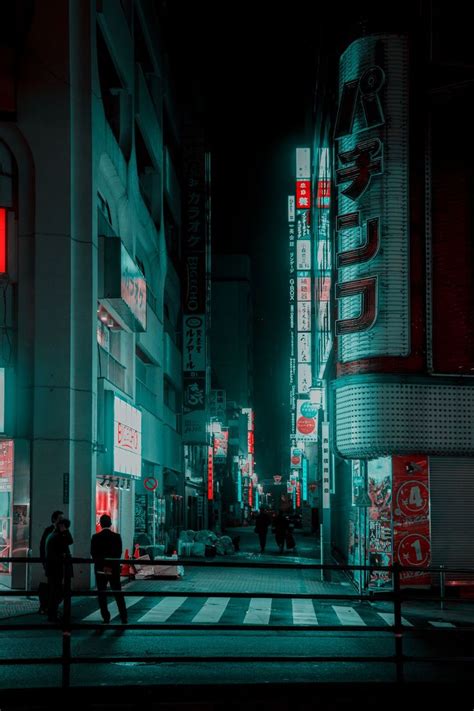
(136, 553)
(125, 569)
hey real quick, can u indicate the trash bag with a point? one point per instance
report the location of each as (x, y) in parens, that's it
(210, 551)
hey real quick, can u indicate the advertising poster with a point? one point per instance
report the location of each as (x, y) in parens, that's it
(411, 517)
(379, 477)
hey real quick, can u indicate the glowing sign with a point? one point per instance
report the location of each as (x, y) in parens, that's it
(306, 425)
(221, 442)
(303, 255)
(304, 377)
(304, 316)
(303, 163)
(304, 347)
(127, 457)
(2, 399)
(303, 194)
(210, 474)
(291, 208)
(303, 286)
(305, 480)
(3, 240)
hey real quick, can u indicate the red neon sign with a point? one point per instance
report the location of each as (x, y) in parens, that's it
(303, 194)
(210, 474)
(298, 494)
(3, 240)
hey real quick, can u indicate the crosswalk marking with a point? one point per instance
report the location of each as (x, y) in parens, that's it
(348, 616)
(113, 609)
(389, 618)
(440, 623)
(259, 611)
(163, 610)
(212, 610)
(303, 612)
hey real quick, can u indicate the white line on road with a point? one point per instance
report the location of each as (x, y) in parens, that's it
(212, 610)
(259, 611)
(389, 618)
(163, 610)
(303, 612)
(348, 616)
(440, 623)
(113, 609)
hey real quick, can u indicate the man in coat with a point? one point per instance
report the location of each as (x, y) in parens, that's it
(57, 564)
(43, 590)
(107, 544)
(262, 523)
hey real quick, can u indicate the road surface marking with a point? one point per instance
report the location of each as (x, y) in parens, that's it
(163, 610)
(259, 611)
(303, 612)
(113, 609)
(212, 610)
(440, 623)
(348, 616)
(389, 618)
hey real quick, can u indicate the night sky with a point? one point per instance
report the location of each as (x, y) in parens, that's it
(255, 76)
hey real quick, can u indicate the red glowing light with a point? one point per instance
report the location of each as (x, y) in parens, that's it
(3, 240)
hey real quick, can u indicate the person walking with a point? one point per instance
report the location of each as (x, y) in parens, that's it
(280, 527)
(262, 523)
(56, 564)
(43, 590)
(107, 544)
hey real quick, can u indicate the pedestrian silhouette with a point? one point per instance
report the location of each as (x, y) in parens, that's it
(43, 589)
(107, 544)
(57, 564)
(262, 523)
(280, 527)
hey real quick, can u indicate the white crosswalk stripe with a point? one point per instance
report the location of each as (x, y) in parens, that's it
(348, 616)
(259, 611)
(303, 612)
(440, 623)
(389, 618)
(212, 610)
(113, 609)
(163, 610)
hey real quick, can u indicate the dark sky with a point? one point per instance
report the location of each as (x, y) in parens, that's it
(255, 76)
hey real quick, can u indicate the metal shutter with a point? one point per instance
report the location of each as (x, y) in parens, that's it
(452, 511)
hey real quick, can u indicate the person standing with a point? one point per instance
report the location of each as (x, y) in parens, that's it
(280, 526)
(43, 591)
(107, 544)
(262, 523)
(57, 564)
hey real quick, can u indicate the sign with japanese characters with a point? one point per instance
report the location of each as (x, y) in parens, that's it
(194, 343)
(373, 228)
(306, 424)
(127, 443)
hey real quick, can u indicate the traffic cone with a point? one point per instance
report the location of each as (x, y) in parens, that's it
(125, 569)
(136, 553)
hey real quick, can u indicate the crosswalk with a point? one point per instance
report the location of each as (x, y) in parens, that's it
(252, 611)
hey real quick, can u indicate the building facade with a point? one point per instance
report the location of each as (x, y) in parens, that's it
(91, 369)
(393, 292)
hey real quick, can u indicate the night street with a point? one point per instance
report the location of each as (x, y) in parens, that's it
(236, 355)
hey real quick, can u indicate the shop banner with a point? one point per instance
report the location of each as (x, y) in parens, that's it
(411, 517)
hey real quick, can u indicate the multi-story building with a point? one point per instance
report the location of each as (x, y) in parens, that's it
(393, 234)
(232, 382)
(90, 221)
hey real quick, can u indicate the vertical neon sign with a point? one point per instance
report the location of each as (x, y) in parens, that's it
(210, 473)
(3, 240)
(305, 479)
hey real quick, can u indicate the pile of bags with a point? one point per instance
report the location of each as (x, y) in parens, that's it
(203, 544)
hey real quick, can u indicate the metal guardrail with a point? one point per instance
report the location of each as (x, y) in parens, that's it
(397, 596)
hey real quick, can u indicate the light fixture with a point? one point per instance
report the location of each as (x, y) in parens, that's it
(108, 483)
(116, 483)
(122, 484)
(102, 483)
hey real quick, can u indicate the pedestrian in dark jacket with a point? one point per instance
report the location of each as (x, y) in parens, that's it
(107, 544)
(280, 526)
(262, 523)
(57, 564)
(43, 590)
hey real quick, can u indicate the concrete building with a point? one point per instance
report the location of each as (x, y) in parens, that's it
(91, 329)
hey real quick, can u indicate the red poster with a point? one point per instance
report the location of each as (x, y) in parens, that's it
(106, 502)
(411, 517)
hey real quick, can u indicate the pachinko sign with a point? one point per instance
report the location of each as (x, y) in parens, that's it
(372, 166)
